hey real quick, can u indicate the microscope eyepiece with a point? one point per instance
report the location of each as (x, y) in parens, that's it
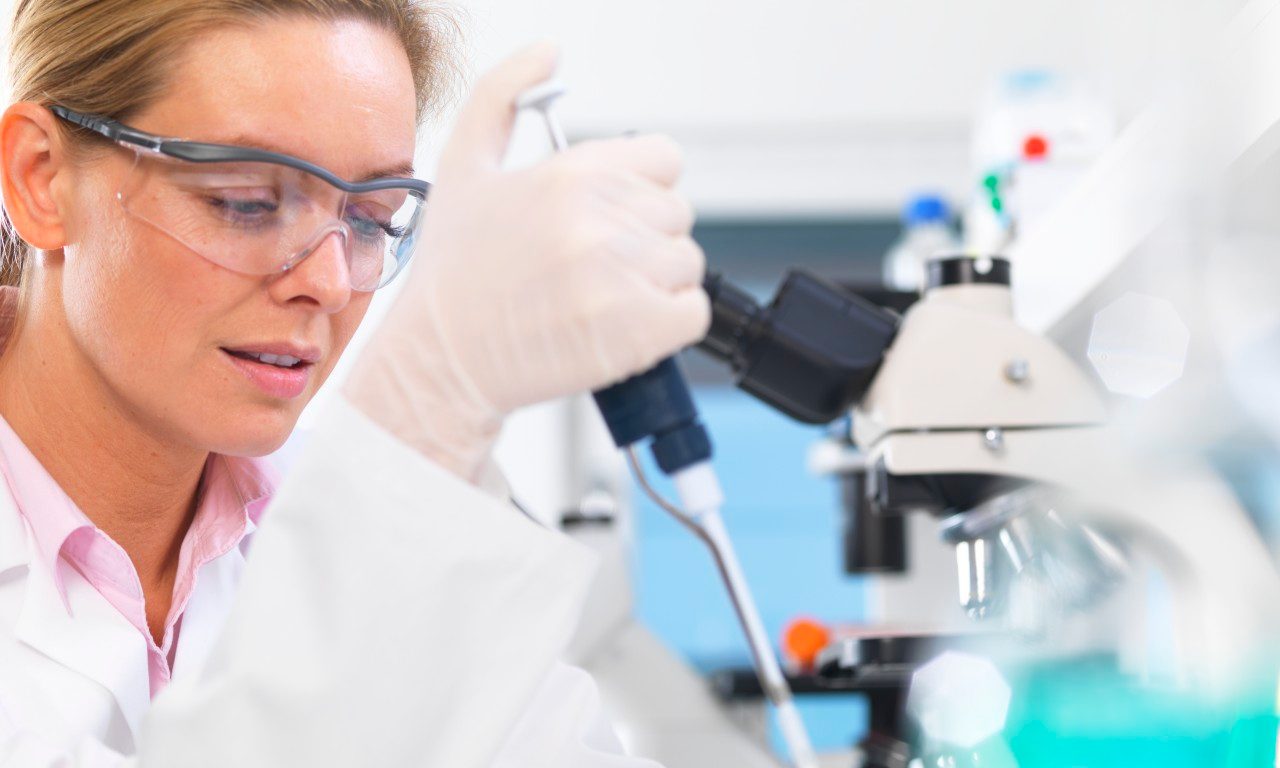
(811, 353)
(733, 312)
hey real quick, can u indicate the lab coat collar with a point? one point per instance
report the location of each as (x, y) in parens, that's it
(67, 620)
(93, 638)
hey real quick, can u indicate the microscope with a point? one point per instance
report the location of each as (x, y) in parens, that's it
(955, 411)
(948, 404)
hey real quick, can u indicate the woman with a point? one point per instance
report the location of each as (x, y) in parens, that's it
(174, 304)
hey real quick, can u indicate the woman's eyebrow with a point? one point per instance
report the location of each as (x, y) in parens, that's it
(399, 170)
(402, 170)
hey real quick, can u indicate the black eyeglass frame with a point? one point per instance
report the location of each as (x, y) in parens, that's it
(205, 152)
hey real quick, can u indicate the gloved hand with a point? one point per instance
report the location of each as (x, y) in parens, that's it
(532, 284)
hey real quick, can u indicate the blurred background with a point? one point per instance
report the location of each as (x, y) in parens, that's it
(1121, 157)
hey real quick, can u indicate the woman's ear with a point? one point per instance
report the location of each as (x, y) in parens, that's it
(32, 156)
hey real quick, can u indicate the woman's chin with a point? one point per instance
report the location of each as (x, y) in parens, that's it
(256, 435)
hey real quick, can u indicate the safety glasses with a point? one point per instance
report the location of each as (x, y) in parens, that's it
(259, 212)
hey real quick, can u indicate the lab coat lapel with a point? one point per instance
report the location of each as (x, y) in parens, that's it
(93, 639)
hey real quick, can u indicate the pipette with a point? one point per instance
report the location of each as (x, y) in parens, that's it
(657, 406)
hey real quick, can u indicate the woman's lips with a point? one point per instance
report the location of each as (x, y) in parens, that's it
(274, 380)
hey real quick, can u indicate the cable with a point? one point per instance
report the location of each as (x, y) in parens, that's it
(687, 521)
(682, 517)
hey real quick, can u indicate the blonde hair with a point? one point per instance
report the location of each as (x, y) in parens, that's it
(113, 57)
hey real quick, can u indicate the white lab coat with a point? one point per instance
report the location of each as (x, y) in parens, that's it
(390, 615)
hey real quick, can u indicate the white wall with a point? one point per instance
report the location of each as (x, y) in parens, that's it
(815, 106)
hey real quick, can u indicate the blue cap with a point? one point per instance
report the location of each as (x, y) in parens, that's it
(925, 209)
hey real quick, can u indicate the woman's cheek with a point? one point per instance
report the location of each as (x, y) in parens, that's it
(343, 327)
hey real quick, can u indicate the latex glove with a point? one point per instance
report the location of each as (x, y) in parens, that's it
(531, 284)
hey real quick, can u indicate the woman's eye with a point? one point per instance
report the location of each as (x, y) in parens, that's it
(367, 227)
(242, 209)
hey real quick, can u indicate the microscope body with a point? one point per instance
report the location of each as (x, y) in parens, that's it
(965, 406)
(960, 368)
(996, 431)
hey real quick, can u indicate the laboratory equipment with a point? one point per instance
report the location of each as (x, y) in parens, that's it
(1036, 134)
(998, 434)
(810, 354)
(1001, 437)
(879, 666)
(656, 406)
(996, 431)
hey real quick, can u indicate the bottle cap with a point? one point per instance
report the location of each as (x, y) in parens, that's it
(926, 209)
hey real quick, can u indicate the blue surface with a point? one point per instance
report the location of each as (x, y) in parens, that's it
(785, 524)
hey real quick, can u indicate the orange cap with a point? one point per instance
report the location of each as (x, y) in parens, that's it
(803, 640)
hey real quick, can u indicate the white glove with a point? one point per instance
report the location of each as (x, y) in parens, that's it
(532, 284)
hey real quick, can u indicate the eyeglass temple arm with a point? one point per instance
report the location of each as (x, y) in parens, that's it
(110, 128)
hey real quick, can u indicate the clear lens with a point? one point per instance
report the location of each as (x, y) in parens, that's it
(381, 227)
(261, 218)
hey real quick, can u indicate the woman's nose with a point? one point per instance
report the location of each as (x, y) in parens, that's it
(323, 274)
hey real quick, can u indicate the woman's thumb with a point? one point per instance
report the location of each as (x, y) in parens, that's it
(483, 129)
